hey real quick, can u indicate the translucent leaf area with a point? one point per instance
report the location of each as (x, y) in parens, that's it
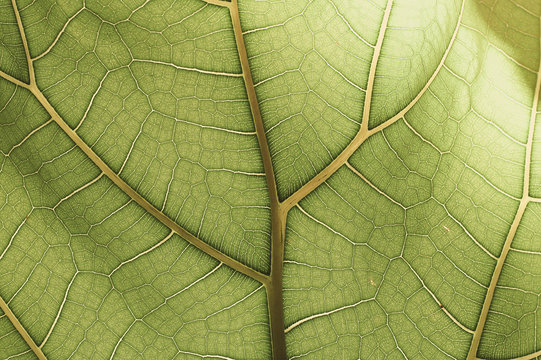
(315, 179)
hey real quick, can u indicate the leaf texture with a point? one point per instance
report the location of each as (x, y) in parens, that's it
(319, 179)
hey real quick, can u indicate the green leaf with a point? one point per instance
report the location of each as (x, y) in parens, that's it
(246, 179)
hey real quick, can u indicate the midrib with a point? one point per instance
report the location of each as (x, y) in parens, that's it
(278, 217)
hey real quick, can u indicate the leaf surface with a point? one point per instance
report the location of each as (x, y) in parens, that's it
(258, 179)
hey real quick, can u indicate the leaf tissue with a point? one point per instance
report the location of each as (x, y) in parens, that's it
(300, 179)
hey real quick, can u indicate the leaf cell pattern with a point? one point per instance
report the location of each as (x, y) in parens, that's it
(260, 179)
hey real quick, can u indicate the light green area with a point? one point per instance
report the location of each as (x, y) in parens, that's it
(391, 257)
(516, 308)
(535, 175)
(417, 35)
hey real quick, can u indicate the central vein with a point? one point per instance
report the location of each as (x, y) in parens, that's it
(274, 288)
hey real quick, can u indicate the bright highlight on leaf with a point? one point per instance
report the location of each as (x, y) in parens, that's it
(315, 179)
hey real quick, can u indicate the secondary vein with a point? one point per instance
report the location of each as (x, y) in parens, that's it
(22, 331)
(514, 226)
